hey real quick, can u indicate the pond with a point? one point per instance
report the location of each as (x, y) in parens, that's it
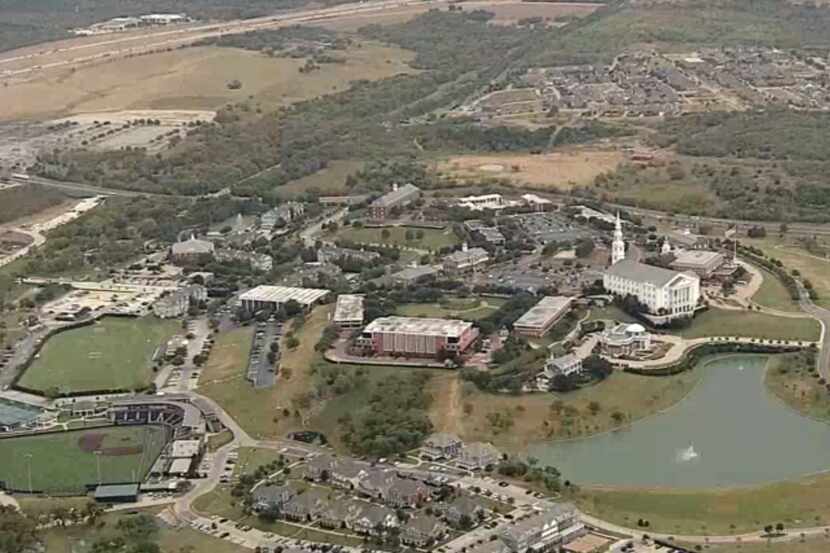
(728, 431)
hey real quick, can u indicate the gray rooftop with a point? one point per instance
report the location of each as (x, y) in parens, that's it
(107, 491)
(420, 326)
(441, 439)
(695, 258)
(396, 196)
(533, 523)
(192, 246)
(283, 294)
(349, 307)
(472, 255)
(640, 272)
(414, 273)
(540, 314)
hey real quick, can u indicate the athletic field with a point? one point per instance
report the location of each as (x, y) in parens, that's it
(115, 353)
(66, 462)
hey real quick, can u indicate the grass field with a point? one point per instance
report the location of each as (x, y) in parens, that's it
(538, 417)
(667, 196)
(559, 170)
(812, 267)
(805, 502)
(127, 453)
(510, 12)
(112, 354)
(193, 78)
(809, 545)
(433, 239)
(722, 322)
(460, 309)
(260, 412)
(610, 313)
(773, 294)
(329, 181)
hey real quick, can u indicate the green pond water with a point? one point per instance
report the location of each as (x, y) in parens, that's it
(728, 431)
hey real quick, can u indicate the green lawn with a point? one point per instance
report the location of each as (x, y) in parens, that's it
(433, 239)
(774, 295)
(610, 313)
(59, 462)
(471, 309)
(115, 353)
(805, 502)
(268, 412)
(722, 322)
(328, 181)
(809, 545)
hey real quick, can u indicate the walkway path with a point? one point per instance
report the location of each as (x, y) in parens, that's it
(679, 346)
(753, 537)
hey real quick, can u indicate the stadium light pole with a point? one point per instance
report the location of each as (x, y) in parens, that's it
(29, 457)
(98, 464)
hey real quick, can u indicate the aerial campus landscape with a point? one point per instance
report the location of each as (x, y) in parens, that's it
(485, 276)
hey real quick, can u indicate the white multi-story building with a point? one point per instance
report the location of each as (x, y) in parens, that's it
(666, 294)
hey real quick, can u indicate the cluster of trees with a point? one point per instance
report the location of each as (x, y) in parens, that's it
(530, 471)
(393, 420)
(508, 313)
(214, 156)
(271, 41)
(116, 232)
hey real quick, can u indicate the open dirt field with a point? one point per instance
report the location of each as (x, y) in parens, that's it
(191, 78)
(558, 170)
(509, 12)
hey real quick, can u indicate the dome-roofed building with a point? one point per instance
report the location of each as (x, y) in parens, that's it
(625, 340)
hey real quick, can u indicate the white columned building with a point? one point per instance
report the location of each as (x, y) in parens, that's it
(666, 294)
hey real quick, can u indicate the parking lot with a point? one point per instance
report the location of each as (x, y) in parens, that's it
(261, 371)
(551, 227)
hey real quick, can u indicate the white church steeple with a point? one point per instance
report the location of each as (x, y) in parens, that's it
(618, 245)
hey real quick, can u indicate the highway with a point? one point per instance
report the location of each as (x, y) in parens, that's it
(190, 34)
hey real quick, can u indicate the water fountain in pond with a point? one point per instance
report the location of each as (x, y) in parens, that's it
(687, 454)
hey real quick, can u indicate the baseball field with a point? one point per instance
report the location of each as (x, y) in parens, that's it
(121, 454)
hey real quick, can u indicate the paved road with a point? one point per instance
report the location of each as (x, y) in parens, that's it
(823, 317)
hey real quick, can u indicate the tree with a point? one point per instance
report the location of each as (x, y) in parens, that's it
(594, 407)
(385, 234)
(584, 247)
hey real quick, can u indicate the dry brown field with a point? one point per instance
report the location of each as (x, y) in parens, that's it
(558, 170)
(509, 12)
(192, 78)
